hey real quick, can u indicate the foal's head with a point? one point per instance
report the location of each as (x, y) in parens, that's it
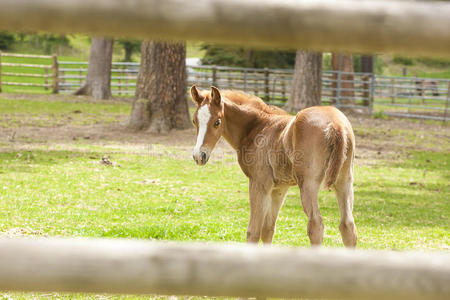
(208, 120)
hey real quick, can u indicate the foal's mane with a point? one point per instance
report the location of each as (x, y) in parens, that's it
(251, 102)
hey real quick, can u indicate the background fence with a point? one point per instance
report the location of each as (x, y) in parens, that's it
(426, 98)
(28, 71)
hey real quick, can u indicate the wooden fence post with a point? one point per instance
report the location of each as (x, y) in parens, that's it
(245, 80)
(63, 80)
(46, 79)
(338, 86)
(256, 83)
(392, 90)
(422, 90)
(81, 76)
(366, 91)
(55, 74)
(446, 103)
(214, 76)
(0, 71)
(372, 92)
(126, 82)
(266, 85)
(120, 73)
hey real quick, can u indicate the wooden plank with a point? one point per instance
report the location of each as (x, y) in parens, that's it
(368, 26)
(25, 84)
(27, 65)
(127, 266)
(25, 75)
(26, 55)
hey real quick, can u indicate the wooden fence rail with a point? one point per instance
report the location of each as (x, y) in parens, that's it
(418, 28)
(138, 267)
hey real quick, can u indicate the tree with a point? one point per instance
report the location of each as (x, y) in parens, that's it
(161, 102)
(129, 47)
(307, 81)
(7, 40)
(98, 80)
(343, 63)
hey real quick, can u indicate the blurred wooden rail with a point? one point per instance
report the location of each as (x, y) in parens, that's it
(366, 26)
(138, 267)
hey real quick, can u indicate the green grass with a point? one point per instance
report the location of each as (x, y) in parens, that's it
(68, 193)
(442, 74)
(160, 194)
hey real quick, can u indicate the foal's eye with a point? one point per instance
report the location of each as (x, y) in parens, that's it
(217, 123)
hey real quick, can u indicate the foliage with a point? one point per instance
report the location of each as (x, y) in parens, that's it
(7, 40)
(43, 42)
(434, 62)
(244, 57)
(130, 46)
(402, 60)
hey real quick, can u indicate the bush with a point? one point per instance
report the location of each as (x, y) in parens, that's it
(48, 43)
(7, 40)
(435, 62)
(401, 60)
(242, 57)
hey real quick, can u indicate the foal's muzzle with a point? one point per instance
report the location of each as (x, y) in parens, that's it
(201, 158)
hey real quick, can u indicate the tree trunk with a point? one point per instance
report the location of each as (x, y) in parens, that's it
(367, 66)
(343, 63)
(367, 62)
(161, 101)
(307, 81)
(98, 80)
(128, 53)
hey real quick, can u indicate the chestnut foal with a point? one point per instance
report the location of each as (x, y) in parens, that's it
(275, 151)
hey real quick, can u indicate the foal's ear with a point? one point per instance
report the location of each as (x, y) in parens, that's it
(196, 96)
(215, 95)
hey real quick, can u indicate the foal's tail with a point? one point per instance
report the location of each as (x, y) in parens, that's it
(337, 142)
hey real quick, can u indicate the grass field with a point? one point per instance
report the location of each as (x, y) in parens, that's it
(53, 184)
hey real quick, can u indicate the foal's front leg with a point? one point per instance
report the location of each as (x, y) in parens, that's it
(259, 204)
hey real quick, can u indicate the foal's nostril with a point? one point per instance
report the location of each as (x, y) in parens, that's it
(203, 157)
(193, 156)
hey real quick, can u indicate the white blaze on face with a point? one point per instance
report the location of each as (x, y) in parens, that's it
(203, 116)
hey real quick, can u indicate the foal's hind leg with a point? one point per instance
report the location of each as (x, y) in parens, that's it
(309, 190)
(344, 193)
(268, 229)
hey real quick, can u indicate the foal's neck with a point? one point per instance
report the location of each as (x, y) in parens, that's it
(238, 124)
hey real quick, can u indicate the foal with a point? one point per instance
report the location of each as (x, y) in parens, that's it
(275, 151)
